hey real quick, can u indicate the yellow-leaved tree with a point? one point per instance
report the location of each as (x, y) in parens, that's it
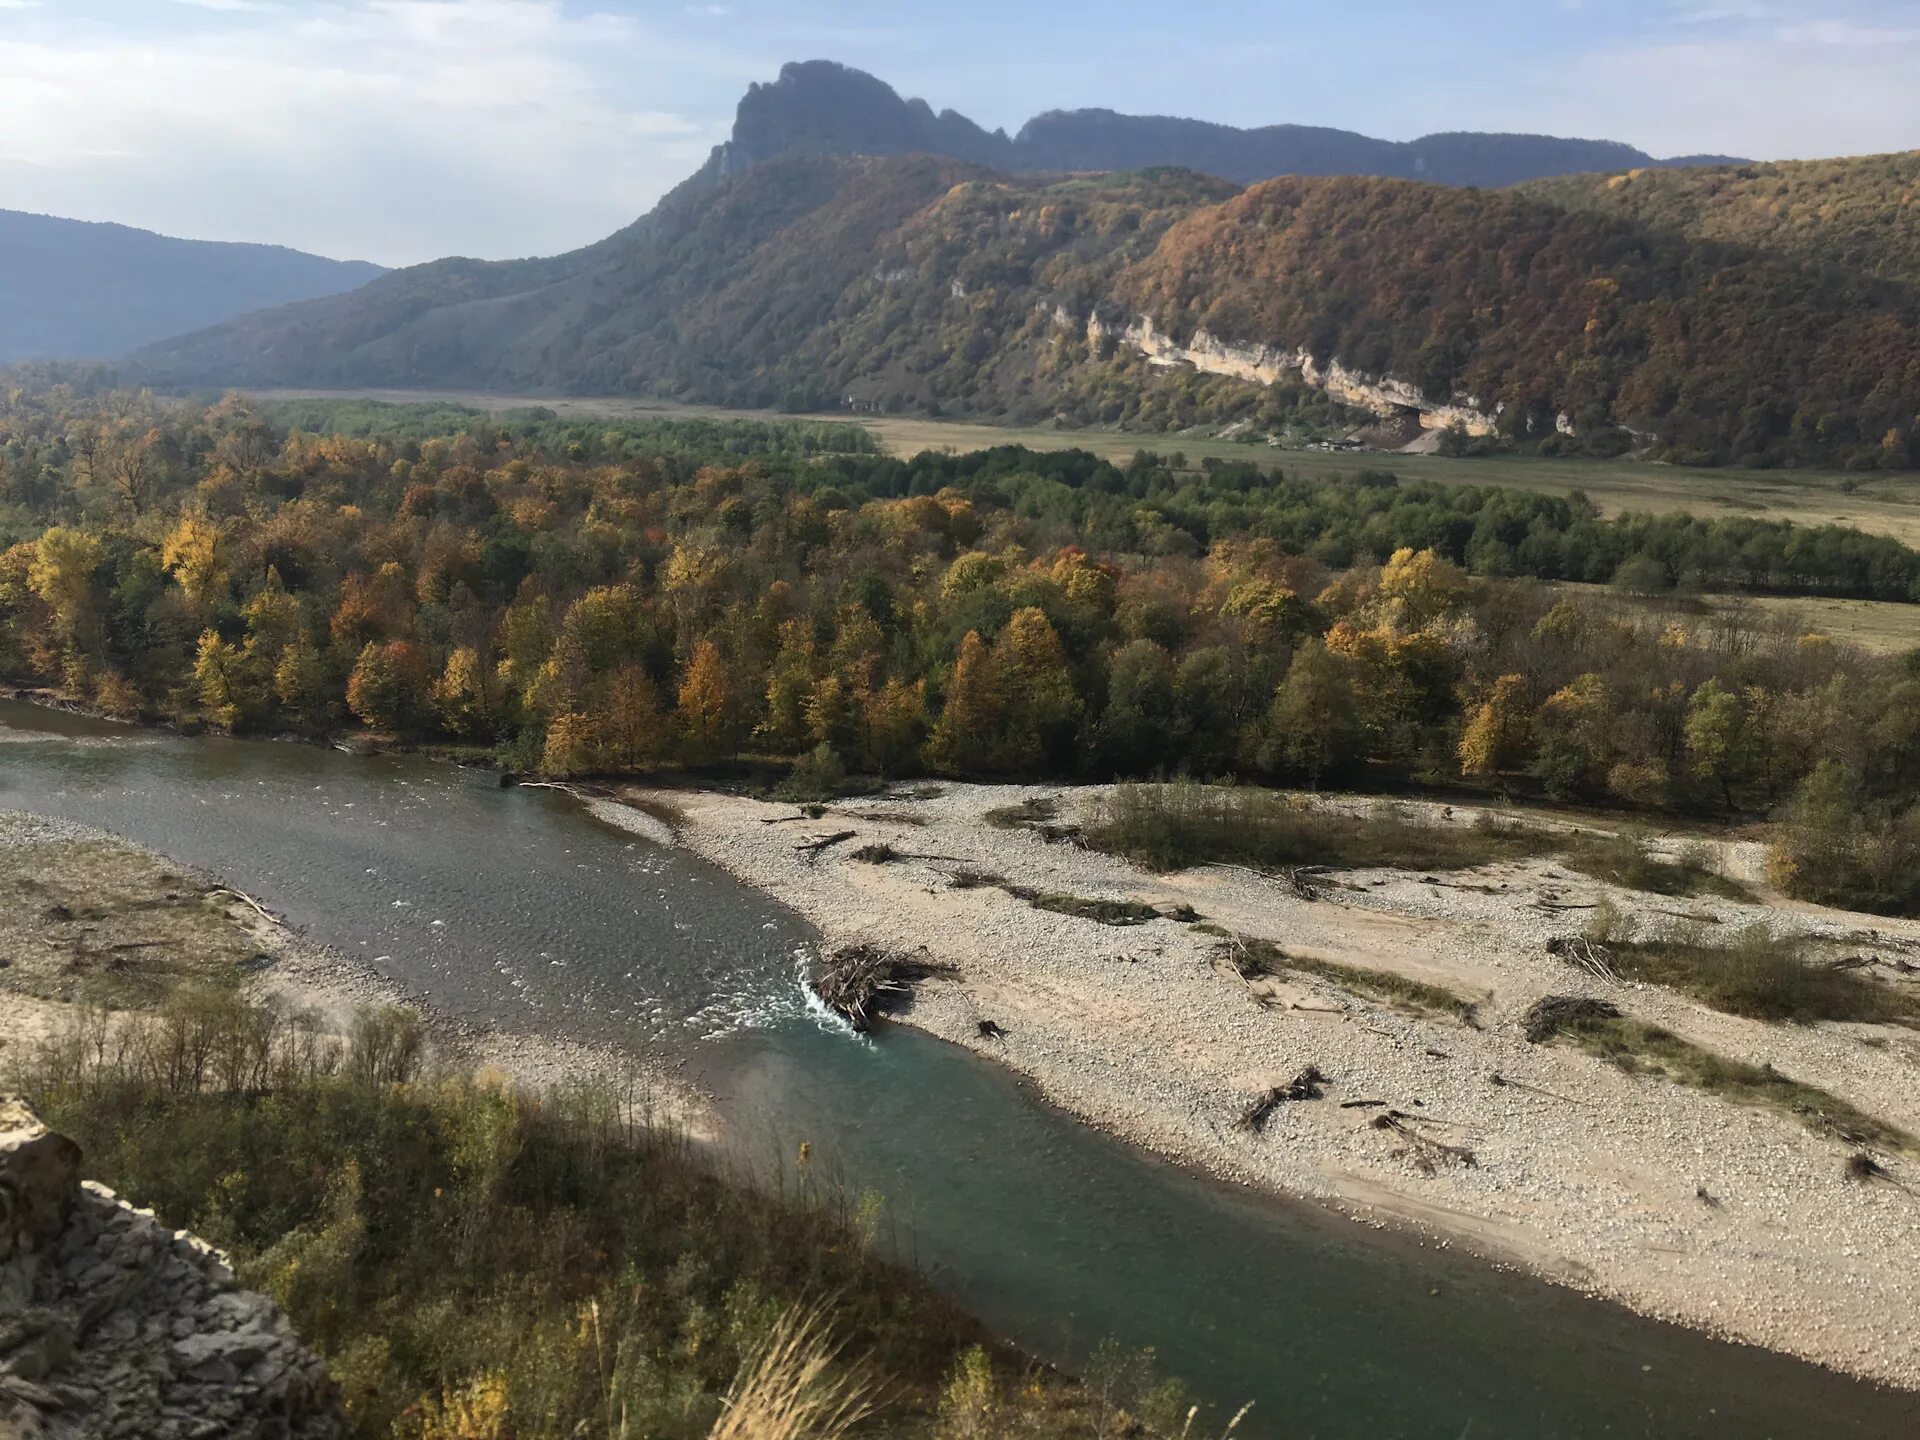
(192, 551)
(705, 702)
(967, 737)
(1499, 731)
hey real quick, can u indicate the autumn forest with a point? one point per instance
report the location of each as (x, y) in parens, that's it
(588, 598)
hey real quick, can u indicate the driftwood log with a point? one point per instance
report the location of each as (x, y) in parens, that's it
(1498, 1079)
(1307, 1085)
(245, 899)
(822, 843)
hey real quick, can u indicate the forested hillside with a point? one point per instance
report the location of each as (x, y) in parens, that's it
(1722, 351)
(913, 283)
(589, 597)
(76, 291)
(1861, 214)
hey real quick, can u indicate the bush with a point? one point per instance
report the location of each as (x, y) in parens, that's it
(820, 775)
(1835, 848)
(1762, 976)
(1627, 860)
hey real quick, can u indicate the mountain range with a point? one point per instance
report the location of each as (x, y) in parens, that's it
(836, 251)
(819, 108)
(71, 290)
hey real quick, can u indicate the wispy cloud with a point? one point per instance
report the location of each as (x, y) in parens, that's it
(1750, 79)
(396, 130)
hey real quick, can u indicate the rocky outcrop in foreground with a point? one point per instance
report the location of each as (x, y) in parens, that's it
(114, 1326)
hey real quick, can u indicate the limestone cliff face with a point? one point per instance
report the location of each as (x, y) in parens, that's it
(1268, 365)
(114, 1327)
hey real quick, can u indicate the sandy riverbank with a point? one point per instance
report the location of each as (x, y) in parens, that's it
(135, 912)
(1597, 1184)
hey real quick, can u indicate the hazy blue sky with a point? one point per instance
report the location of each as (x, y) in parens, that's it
(399, 130)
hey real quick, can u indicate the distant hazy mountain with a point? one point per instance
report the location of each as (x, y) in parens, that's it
(820, 108)
(71, 290)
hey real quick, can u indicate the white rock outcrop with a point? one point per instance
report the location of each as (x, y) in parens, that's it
(1269, 365)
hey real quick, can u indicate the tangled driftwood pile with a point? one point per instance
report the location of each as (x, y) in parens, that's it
(1426, 1152)
(858, 982)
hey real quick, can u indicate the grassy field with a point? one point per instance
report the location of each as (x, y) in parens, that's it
(1883, 505)
(1883, 627)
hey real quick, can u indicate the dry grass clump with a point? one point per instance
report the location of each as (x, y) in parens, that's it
(1753, 972)
(1628, 860)
(1179, 824)
(473, 1261)
(97, 922)
(1254, 959)
(790, 1386)
(1550, 1014)
(1642, 1049)
(1034, 810)
(1081, 907)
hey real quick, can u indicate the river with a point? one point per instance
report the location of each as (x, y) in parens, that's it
(517, 908)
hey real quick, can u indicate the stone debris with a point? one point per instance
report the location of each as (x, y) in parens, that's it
(115, 1327)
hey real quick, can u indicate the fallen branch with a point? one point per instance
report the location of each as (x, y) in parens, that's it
(1428, 1153)
(1299, 880)
(884, 854)
(1864, 1168)
(245, 899)
(1498, 1079)
(824, 843)
(563, 786)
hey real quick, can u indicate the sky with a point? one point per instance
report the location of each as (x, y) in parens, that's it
(403, 130)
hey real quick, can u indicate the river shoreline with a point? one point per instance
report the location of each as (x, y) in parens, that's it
(1675, 1203)
(327, 986)
(382, 853)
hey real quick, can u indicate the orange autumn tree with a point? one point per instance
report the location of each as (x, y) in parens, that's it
(705, 702)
